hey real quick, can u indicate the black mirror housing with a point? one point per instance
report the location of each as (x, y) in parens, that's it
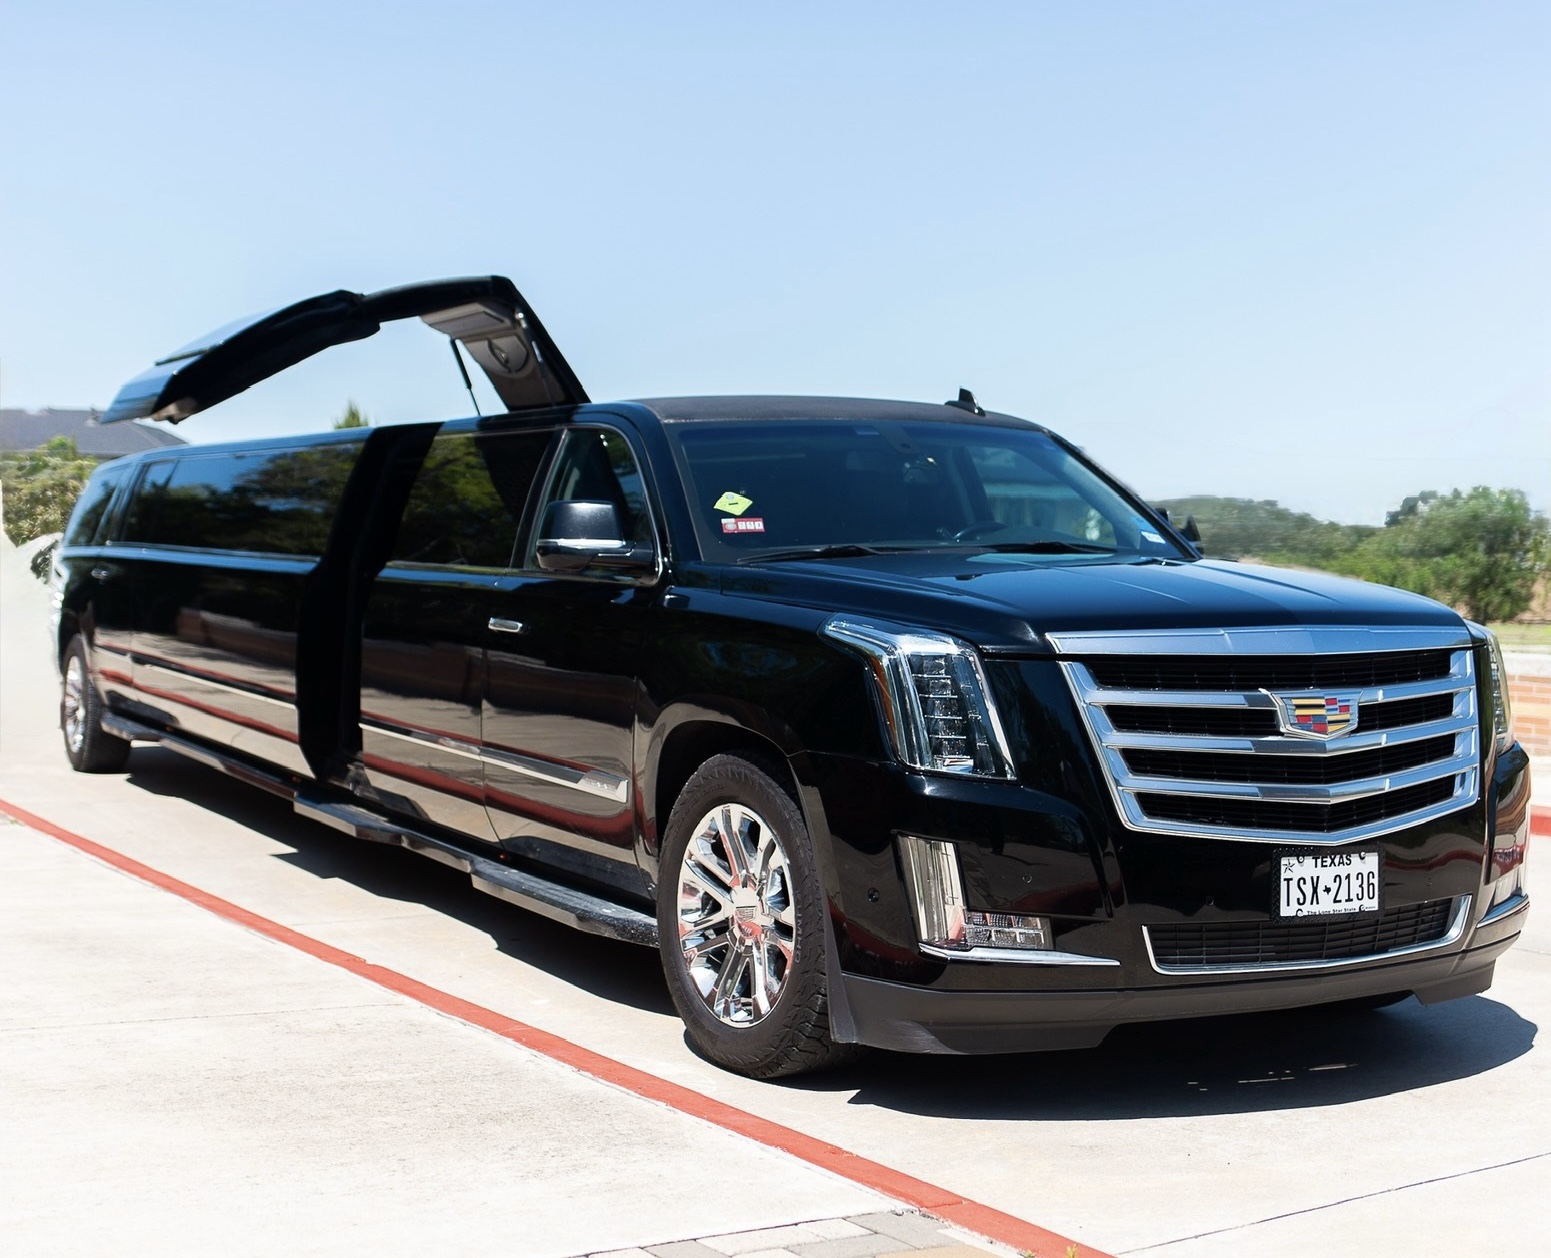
(577, 534)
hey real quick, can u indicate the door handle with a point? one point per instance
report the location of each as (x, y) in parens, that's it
(101, 574)
(507, 626)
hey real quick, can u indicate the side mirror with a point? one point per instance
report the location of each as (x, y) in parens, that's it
(579, 534)
(1187, 529)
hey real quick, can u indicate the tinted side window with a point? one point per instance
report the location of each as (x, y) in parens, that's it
(468, 499)
(147, 495)
(597, 465)
(278, 501)
(86, 519)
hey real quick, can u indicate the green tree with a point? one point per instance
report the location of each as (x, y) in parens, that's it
(1480, 550)
(40, 488)
(352, 418)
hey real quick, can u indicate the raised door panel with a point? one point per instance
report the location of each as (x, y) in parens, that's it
(423, 632)
(561, 691)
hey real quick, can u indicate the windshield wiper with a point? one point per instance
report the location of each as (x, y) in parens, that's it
(1050, 546)
(843, 550)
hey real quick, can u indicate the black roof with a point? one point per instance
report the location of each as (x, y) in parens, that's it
(758, 407)
(29, 430)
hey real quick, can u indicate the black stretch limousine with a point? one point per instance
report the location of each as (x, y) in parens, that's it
(887, 723)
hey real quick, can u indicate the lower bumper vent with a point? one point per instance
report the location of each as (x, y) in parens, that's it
(1192, 946)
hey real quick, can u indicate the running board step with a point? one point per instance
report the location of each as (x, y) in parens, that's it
(580, 909)
(122, 727)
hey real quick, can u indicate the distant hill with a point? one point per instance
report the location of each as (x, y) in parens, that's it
(1238, 528)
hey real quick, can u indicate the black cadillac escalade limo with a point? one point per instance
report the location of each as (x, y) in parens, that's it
(887, 723)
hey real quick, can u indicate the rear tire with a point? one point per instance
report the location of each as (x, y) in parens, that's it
(740, 923)
(90, 748)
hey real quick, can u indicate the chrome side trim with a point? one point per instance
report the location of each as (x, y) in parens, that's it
(1453, 935)
(442, 742)
(589, 781)
(592, 781)
(182, 675)
(1515, 903)
(1014, 956)
(1260, 640)
(501, 625)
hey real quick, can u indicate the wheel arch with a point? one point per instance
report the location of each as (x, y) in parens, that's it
(69, 626)
(684, 738)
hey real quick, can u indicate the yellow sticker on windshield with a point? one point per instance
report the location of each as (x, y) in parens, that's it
(733, 503)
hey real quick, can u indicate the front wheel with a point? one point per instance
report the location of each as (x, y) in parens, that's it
(740, 924)
(91, 749)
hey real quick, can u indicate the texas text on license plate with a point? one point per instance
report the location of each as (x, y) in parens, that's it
(1315, 884)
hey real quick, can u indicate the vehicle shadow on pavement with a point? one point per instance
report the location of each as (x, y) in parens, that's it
(623, 973)
(1242, 1064)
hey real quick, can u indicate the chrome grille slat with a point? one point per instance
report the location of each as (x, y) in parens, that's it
(1279, 746)
(1298, 794)
(1448, 779)
(1261, 699)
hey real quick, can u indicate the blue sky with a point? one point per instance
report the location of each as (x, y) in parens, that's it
(1298, 251)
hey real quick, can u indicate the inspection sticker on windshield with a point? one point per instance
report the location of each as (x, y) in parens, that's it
(1317, 884)
(750, 524)
(734, 503)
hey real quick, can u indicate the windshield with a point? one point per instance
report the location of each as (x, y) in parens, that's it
(759, 489)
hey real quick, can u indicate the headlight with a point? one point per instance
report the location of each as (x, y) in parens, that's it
(1502, 706)
(1497, 692)
(933, 694)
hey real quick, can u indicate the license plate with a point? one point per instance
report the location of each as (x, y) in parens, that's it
(1323, 884)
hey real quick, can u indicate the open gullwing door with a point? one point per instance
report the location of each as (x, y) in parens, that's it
(486, 314)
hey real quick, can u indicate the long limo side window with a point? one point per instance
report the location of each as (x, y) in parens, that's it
(270, 501)
(468, 499)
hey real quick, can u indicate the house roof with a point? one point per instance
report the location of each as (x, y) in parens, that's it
(27, 430)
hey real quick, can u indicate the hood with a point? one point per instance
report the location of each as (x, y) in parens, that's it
(1010, 602)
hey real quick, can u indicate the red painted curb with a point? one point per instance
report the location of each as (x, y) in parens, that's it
(942, 1202)
(1540, 821)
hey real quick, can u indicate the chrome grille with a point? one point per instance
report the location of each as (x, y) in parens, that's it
(1192, 739)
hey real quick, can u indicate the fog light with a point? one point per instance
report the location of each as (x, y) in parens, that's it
(937, 898)
(1006, 930)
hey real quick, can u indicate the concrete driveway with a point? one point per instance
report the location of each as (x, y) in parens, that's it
(168, 1075)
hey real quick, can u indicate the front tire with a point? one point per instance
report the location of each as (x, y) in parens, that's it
(740, 923)
(90, 748)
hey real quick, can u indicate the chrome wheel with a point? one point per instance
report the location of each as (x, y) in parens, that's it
(737, 917)
(72, 710)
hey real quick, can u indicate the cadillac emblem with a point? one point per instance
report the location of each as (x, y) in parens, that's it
(1316, 715)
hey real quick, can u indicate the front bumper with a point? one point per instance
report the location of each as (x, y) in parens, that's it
(1103, 887)
(912, 1019)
